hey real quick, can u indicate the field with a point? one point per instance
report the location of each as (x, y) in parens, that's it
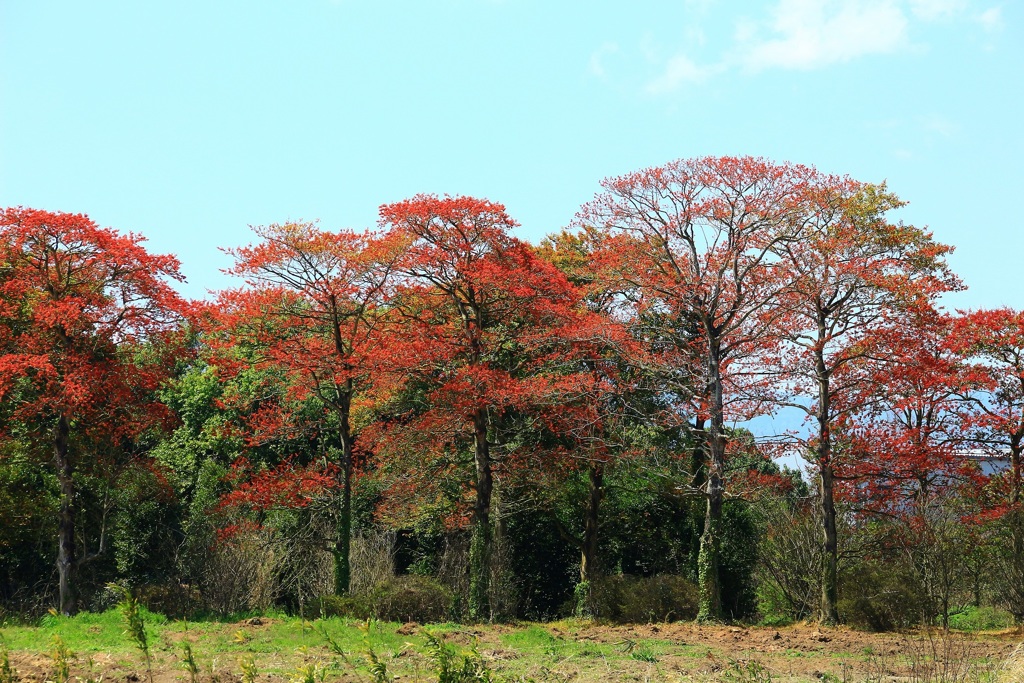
(279, 648)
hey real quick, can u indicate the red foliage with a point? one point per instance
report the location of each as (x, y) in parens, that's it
(77, 302)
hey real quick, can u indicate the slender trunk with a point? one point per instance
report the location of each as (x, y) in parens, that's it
(828, 574)
(708, 584)
(830, 543)
(829, 561)
(698, 457)
(66, 518)
(481, 542)
(588, 551)
(1016, 524)
(1015, 451)
(343, 542)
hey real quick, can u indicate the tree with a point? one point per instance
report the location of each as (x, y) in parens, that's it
(473, 304)
(994, 341)
(83, 312)
(908, 437)
(694, 240)
(851, 270)
(310, 312)
(595, 364)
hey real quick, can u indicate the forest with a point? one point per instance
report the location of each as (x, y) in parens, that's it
(433, 420)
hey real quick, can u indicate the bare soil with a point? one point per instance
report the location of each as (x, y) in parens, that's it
(655, 652)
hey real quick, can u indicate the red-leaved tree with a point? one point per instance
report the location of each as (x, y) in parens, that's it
(472, 305)
(78, 304)
(310, 314)
(695, 242)
(851, 271)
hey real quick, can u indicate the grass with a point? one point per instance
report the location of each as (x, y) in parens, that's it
(282, 648)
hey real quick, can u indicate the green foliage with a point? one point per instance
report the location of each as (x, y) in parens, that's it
(28, 507)
(644, 654)
(452, 666)
(981, 619)
(312, 672)
(545, 568)
(136, 626)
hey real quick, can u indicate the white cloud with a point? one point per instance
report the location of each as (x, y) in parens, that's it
(678, 70)
(940, 125)
(803, 35)
(810, 34)
(598, 56)
(991, 19)
(929, 10)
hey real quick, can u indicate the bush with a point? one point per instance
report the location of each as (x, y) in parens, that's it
(412, 598)
(404, 598)
(981, 619)
(352, 606)
(630, 599)
(880, 597)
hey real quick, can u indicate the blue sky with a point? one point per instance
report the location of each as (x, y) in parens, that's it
(189, 121)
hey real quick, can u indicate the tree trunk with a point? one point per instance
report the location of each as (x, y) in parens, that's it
(708, 585)
(65, 519)
(1015, 468)
(698, 457)
(481, 542)
(829, 561)
(828, 612)
(588, 551)
(343, 542)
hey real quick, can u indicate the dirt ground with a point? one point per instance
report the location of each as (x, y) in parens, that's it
(581, 652)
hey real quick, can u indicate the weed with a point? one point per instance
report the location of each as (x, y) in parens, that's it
(7, 672)
(644, 654)
(453, 667)
(129, 607)
(1012, 669)
(61, 656)
(309, 673)
(188, 662)
(940, 657)
(749, 672)
(91, 677)
(249, 670)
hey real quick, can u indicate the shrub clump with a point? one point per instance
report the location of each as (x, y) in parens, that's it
(403, 599)
(880, 598)
(634, 599)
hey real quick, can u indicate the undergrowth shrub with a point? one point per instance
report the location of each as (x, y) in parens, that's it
(981, 619)
(372, 560)
(879, 597)
(403, 598)
(412, 598)
(240, 574)
(633, 599)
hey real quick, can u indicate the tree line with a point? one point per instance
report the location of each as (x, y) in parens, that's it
(441, 378)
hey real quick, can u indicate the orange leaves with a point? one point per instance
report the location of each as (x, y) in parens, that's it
(286, 486)
(78, 300)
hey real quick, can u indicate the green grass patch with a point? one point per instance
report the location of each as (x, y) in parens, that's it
(981, 619)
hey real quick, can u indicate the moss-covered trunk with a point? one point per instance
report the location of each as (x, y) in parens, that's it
(708, 584)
